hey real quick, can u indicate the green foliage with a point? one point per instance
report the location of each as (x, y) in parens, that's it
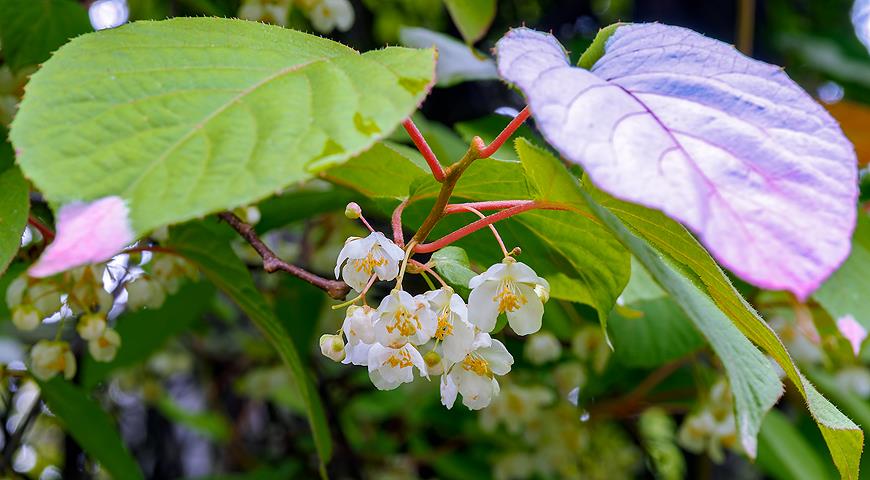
(844, 293)
(220, 265)
(92, 428)
(684, 269)
(144, 332)
(217, 122)
(472, 17)
(785, 454)
(31, 30)
(596, 49)
(453, 266)
(14, 205)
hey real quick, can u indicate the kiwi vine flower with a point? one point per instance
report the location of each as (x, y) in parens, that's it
(474, 376)
(364, 257)
(391, 367)
(403, 318)
(359, 330)
(512, 288)
(453, 331)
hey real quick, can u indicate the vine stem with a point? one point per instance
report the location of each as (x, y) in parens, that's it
(43, 229)
(484, 222)
(423, 147)
(502, 137)
(398, 236)
(491, 226)
(272, 263)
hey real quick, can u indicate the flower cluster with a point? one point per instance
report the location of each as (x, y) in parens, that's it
(455, 336)
(324, 15)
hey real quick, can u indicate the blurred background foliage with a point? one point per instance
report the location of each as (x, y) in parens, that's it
(195, 392)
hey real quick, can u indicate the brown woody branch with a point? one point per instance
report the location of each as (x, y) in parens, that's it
(272, 263)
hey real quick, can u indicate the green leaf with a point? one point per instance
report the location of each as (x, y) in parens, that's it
(145, 332)
(785, 454)
(218, 262)
(472, 17)
(300, 204)
(454, 267)
(14, 205)
(189, 116)
(31, 30)
(571, 249)
(845, 292)
(688, 273)
(210, 424)
(596, 49)
(649, 329)
(90, 426)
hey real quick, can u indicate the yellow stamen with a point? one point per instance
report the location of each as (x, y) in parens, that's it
(476, 364)
(369, 263)
(508, 297)
(401, 361)
(445, 328)
(405, 322)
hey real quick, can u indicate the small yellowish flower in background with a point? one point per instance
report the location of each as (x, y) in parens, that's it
(50, 357)
(542, 347)
(104, 347)
(91, 326)
(328, 15)
(26, 317)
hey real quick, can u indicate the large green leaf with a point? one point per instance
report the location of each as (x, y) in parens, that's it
(648, 328)
(472, 17)
(91, 427)
(571, 249)
(30, 30)
(217, 261)
(188, 116)
(14, 205)
(691, 276)
(146, 331)
(845, 292)
(785, 454)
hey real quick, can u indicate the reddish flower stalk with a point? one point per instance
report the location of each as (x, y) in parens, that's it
(491, 205)
(428, 269)
(502, 137)
(423, 147)
(43, 229)
(477, 212)
(398, 237)
(483, 222)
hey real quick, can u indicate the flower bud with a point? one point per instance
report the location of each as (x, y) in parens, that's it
(332, 346)
(434, 365)
(543, 347)
(15, 291)
(144, 292)
(91, 326)
(26, 317)
(48, 358)
(104, 347)
(352, 211)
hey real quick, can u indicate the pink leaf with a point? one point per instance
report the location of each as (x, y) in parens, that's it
(854, 332)
(86, 233)
(727, 145)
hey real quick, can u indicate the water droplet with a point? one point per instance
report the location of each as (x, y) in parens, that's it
(584, 417)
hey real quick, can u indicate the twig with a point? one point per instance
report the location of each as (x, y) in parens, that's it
(43, 229)
(271, 263)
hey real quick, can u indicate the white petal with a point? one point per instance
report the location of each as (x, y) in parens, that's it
(458, 307)
(459, 343)
(448, 391)
(357, 354)
(482, 307)
(417, 360)
(380, 382)
(498, 357)
(521, 272)
(356, 279)
(527, 319)
(391, 249)
(477, 391)
(495, 272)
(481, 340)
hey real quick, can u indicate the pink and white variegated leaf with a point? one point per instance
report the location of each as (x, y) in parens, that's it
(727, 145)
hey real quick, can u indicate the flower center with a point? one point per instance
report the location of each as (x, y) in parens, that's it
(476, 364)
(508, 297)
(369, 262)
(402, 360)
(445, 328)
(406, 323)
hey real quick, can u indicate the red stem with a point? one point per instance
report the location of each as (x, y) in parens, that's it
(44, 230)
(398, 237)
(492, 205)
(423, 147)
(502, 137)
(483, 222)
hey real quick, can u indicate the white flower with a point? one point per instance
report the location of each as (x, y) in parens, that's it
(26, 317)
(391, 367)
(270, 11)
(104, 347)
(402, 319)
(330, 14)
(144, 292)
(332, 347)
(474, 377)
(512, 288)
(374, 254)
(360, 333)
(452, 329)
(543, 347)
(48, 358)
(91, 326)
